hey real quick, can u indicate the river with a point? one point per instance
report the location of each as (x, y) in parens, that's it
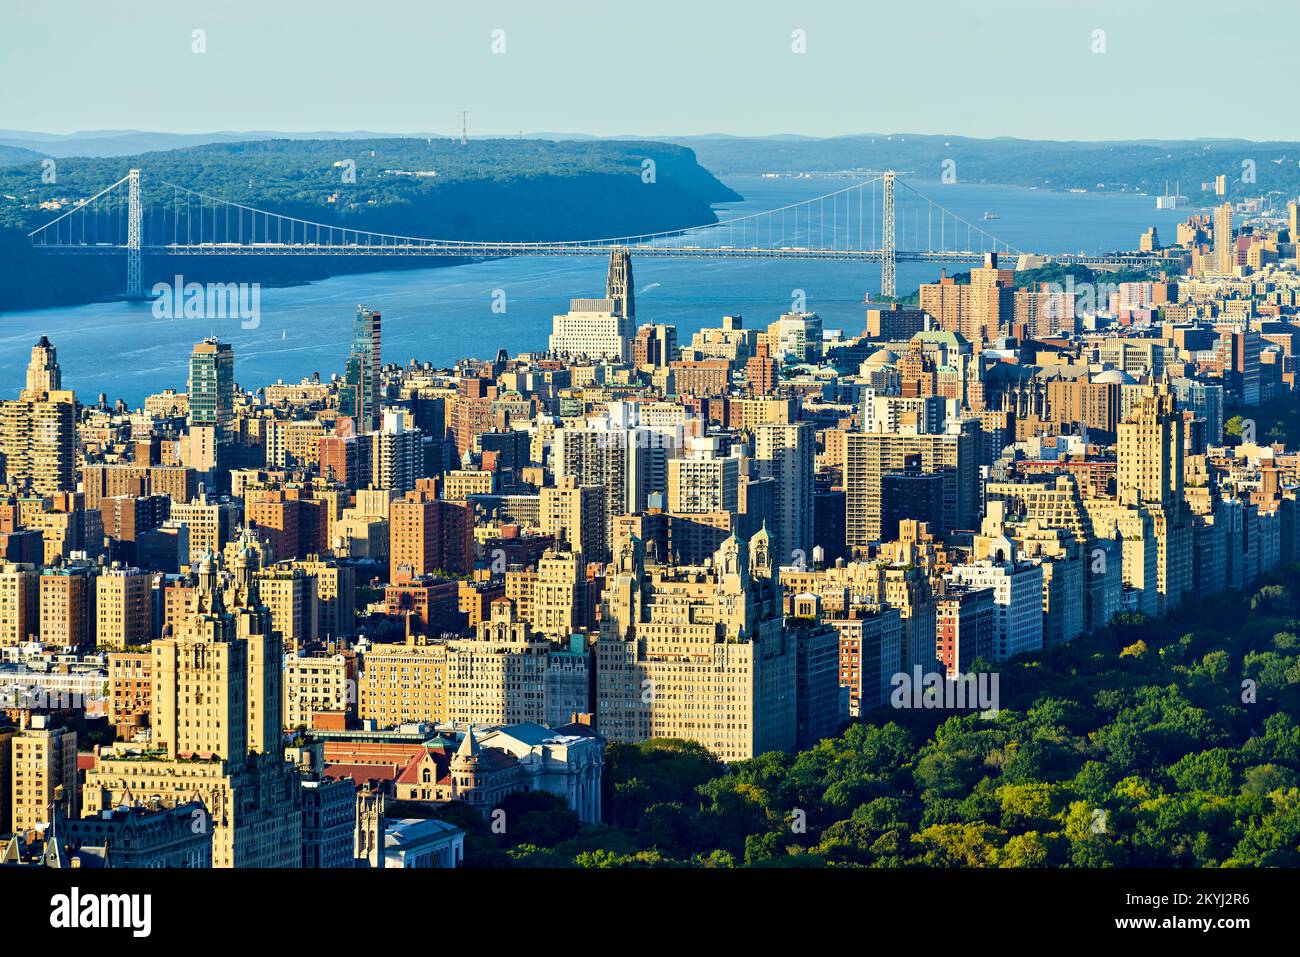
(443, 314)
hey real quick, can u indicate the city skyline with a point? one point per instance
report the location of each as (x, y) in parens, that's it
(912, 515)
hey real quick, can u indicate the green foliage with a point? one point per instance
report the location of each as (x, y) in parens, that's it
(1134, 746)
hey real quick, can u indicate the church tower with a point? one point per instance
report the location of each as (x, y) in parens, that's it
(619, 288)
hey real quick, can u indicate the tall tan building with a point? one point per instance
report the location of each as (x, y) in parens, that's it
(216, 725)
(992, 300)
(290, 594)
(785, 453)
(558, 602)
(211, 524)
(38, 439)
(404, 683)
(1149, 452)
(20, 603)
(38, 431)
(697, 652)
(949, 303)
(43, 760)
(336, 609)
(869, 455)
(123, 608)
(43, 372)
(1149, 478)
(1225, 250)
(499, 675)
(574, 514)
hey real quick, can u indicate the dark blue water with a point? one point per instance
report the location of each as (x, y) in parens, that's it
(440, 315)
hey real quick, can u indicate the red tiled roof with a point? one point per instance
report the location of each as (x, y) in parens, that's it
(361, 773)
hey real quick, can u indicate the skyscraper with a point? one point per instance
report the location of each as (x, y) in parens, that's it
(697, 652)
(43, 372)
(212, 386)
(359, 396)
(600, 328)
(38, 429)
(785, 453)
(217, 700)
(1149, 452)
(619, 286)
(1225, 253)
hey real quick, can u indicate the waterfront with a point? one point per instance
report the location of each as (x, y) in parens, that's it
(443, 314)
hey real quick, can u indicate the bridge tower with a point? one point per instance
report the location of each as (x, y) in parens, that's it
(134, 289)
(888, 282)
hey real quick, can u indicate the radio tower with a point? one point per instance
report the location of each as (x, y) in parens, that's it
(464, 127)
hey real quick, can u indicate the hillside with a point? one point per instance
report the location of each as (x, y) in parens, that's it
(520, 190)
(1110, 166)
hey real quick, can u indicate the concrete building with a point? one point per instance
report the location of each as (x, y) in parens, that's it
(723, 674)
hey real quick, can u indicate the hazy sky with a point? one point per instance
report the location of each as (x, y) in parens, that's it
(1170, 69)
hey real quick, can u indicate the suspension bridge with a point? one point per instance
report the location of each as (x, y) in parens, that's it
(880, 220)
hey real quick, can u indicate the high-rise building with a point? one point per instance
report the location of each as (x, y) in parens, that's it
(428, 535)
(702, 480)
(123, 608)
(212, 386)
(654, 345)
(785, 453)
(1149, 452)
(130, 691)
(1225, 251)
(600, 328)
(43, 372)
(217, 724)
(949, 303)
(795, 337)
(697, 652)
(870, 455)
(38, 430)
(289, 593)
(871, 651)
(359, 396)
(965, 626)
(397, 457)
(992, 300)
(592, 329)
(576, 515)
(1017, 597)
(68, 605)
(43, 761)
(20, 603)
(559, 594)
(620, 288)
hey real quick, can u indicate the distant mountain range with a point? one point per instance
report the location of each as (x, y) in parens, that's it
(1252, 167)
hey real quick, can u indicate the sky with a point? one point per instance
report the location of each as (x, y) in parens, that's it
(1045, 69)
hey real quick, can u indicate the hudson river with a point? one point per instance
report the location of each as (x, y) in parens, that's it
(441, 314)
